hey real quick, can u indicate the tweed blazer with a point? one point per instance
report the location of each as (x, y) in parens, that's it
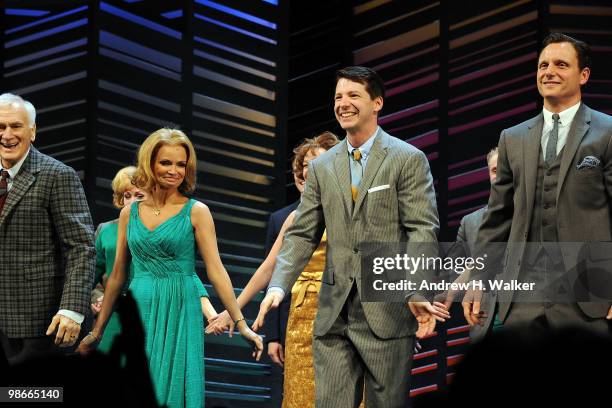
(402, 209)
(47, 251)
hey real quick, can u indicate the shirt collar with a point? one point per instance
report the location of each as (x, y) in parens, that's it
(367, 146)
(15, 169)
(565, 117)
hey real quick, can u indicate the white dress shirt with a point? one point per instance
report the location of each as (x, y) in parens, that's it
(565, 121)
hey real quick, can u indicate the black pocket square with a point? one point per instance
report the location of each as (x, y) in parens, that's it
(589, 162)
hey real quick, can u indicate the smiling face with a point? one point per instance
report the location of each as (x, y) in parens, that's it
(560, 77)
(355, 110)
(299, 182)
(16, 134)
(311, 155)
(169, 166)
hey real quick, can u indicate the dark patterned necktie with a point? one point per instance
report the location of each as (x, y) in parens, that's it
(3, 188)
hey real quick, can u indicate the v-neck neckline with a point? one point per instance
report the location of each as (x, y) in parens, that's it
(160, 224)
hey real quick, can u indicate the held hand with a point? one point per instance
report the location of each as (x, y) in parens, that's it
(609, 316)
(252, 337)
(66, 330)
(276, 353)
(88, 344)
(271, 301)
(426, 315)
(220, 323)
(97, 306)
(471, 307)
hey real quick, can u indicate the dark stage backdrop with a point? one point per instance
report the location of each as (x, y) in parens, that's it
(248, 79)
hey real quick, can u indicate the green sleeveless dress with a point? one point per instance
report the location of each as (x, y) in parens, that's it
(167, 292)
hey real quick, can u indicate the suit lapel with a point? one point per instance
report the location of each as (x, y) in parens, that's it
(343, 175)
(579, 128)
(531, 152)
(24, 179)
(377, 155)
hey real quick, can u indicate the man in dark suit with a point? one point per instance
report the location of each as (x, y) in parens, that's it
(276, 325)
(465, 245)
(47, 251)
(554, 185)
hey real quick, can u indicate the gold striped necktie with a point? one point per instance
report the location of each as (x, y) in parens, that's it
(356, 173)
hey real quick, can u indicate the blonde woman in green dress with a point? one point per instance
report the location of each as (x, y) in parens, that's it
(124, 194)
(161, 233)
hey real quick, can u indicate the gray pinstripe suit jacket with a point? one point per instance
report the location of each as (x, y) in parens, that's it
(405, 211)
(47, 247)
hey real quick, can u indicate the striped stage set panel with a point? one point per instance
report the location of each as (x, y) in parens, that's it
(45, 59)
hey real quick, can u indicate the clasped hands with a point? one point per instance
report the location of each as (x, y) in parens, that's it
(219, 323)
(425, 313)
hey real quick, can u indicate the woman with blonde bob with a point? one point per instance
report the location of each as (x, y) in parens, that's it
(161, 233)
(124, 194)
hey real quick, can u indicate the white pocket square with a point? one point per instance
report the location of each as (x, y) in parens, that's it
(378, 188)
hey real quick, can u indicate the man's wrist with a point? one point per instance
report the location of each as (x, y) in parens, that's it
(77, 317)
(276, 289)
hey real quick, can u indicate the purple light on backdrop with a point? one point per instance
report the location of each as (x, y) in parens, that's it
(237, 13)
(25, 12)
(45, 20)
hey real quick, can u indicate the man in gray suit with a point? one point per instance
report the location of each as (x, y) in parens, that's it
(465, 245)
(47, 252)
(554, 185)
(371, 187)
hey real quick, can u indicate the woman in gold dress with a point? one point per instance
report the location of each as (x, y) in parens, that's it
(299, 387)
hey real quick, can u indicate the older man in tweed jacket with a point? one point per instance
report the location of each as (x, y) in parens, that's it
(46, 235)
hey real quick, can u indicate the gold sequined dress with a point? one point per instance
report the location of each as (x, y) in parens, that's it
(299, 387)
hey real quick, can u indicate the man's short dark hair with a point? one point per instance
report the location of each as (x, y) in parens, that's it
(583, 50)
(366, 76)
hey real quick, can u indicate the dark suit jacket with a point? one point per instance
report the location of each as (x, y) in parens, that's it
(468, 229)
(276, 321)
(583, 195)
(47, 251)
(465, 246)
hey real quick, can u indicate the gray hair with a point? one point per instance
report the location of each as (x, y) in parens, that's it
(491, 153)
(8, 99)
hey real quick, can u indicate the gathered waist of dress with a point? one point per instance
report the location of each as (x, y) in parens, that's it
(174, 270)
